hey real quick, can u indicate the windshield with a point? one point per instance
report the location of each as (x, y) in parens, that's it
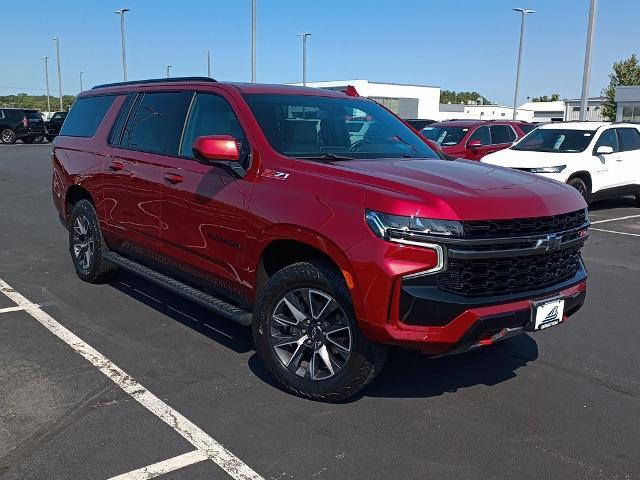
(445, 136)
(555, 140)
(307, 126)
(33, 115)
(526, 128)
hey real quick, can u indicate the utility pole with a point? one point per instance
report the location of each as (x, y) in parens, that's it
(168, 68)
(57, 40)
(304, 56)
(208, 54)
(253, 41)
(81, 89)
(121, 12)
(524, 13)
(584, 99)
(46, 79)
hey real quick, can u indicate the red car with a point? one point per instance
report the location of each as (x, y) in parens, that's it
(333, 243)
(473, 139)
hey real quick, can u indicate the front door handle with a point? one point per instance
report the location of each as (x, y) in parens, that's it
(173, 178)
(116, 166)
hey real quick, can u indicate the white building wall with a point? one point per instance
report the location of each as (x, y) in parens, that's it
(482, 112)
(628, 103)
(428, 97)
(594, 110)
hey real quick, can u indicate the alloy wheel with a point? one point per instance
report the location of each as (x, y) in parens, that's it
(83, 242)
(311, 334)
(7, 136)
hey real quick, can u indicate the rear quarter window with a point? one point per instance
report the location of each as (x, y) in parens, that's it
(85, 116)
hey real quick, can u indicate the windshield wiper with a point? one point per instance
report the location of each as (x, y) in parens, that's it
(406, 143)
(330, 157)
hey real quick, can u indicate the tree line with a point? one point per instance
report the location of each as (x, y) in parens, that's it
(35, 102)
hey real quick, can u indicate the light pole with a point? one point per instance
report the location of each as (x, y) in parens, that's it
(208, 54)
(121, 12)
(46, 79)
(304, 56)
(524, 13)
(81, 89)
(168, 68)
(57, 40)
(584, 99)
(253, 41)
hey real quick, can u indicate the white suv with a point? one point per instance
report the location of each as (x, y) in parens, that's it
(598, 159)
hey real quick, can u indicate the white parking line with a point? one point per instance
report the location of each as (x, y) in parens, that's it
(614, 219)
(613, 231)
(10, 309)
(166, 466)
(231, 464)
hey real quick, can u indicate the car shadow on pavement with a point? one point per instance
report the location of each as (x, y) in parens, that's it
(612, 204)
(412, 375)
(227, 333)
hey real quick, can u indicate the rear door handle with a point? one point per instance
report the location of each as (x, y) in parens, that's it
(116, 166)
(173, 178)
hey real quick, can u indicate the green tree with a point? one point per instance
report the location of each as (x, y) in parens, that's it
(625, 72)
(36, 102)
(553, 98)
(449, 96)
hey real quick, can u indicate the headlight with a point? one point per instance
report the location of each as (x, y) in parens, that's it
(557, 169)
(398, 228)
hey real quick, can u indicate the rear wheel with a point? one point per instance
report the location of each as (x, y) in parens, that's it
(86, 245)
(306, 334)
(8, 136)
(581, 186)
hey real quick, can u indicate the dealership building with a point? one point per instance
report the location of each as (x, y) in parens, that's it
(628, 103)
(406, 101)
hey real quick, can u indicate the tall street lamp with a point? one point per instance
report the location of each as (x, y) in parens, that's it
(168, 69)
(304, 56)
(121, 12)
(253, 41)
(523, 12)
(57, 40)
(208, 54)
(584, 99)
(81, 89)
(46, 79)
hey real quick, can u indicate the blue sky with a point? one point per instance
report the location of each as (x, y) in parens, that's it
(454, 44)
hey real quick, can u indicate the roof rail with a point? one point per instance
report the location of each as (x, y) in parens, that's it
(156, 80)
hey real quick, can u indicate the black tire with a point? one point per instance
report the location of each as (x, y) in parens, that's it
(28, 140)
(582, 187)
(92, 268)
(50, 138)
(362, 364)
(39, 139)
(8, 136)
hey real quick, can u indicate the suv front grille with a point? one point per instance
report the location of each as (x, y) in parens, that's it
(524, 226)
(509, 275)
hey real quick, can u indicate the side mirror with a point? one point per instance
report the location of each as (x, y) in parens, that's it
(474, 144)
(604, 150)
(219, 150)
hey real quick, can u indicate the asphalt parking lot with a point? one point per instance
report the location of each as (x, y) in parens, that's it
(563, 403)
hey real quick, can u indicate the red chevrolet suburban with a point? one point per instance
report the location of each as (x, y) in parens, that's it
(264, 204)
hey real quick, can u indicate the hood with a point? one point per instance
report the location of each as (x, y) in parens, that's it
(525, 159)
(458, 189)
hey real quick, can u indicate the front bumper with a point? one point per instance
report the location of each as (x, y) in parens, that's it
(469, 323)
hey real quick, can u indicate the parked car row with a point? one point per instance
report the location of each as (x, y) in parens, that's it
(28, 125)
(599, 159)
(317, 217)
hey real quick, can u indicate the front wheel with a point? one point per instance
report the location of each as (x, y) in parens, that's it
(306, 334)
(581, 186)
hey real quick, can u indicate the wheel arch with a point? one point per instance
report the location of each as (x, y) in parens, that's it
(286, 245)
(583, 175)
(74, 194)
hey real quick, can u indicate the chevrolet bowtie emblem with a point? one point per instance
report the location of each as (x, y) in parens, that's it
(550, 242)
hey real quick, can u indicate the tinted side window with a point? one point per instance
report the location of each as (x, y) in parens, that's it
(608, 139)
(500, 134)
(85, 116)
(629, 139)
(116, 131)
(156, 125)
(482, 134)
(210, 115)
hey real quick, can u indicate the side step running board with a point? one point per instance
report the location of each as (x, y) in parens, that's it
(238, 315)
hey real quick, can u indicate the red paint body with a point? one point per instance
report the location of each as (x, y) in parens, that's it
(177, 210)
